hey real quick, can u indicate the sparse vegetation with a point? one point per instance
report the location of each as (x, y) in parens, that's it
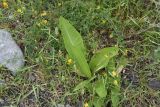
(49, 77)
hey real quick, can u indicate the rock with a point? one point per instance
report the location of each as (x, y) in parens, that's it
(154, 84)
(11, 55)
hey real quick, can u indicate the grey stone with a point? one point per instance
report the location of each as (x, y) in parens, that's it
(11, 55)
(154, 84)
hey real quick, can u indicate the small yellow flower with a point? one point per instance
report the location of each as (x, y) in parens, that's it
(44, 21)
(115, 82)
(69, 61)
(5, 4)
(114, 73)
(86, 105)
(19, 11)
(44, 13)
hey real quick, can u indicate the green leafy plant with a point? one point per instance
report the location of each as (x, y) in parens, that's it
(74, 46)
(102, 71)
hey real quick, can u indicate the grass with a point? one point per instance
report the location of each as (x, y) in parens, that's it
(46, 79)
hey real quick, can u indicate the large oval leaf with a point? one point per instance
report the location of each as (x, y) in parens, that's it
(74, 46)
(102, 57)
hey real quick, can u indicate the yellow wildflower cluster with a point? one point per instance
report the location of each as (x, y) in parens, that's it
(114, 74)
(44, 21)
(86, 105)
(4, 4)
(69, 61)
(44, 13)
